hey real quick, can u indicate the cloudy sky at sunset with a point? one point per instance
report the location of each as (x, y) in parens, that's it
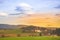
(30, 12)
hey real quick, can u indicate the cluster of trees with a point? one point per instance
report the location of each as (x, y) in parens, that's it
(44, 31)
(58, 31)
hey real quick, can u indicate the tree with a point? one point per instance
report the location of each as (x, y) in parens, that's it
(58, 31)
(2, 35)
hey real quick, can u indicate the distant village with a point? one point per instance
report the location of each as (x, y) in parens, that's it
(29, 31)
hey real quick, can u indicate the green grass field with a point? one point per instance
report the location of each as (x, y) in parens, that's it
(30, 38)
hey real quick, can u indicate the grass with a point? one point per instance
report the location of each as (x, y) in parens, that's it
(30, 38)
(16, 31)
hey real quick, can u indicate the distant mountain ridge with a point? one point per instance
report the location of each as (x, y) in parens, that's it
(7, 26)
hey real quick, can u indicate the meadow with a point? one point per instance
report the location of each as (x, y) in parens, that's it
(31, 38)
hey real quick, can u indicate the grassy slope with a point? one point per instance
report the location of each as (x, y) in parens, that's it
(16, 31)
(30, 38)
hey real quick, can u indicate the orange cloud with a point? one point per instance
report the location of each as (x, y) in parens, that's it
(44, 20)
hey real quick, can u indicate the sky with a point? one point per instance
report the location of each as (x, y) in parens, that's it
(12, 11)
